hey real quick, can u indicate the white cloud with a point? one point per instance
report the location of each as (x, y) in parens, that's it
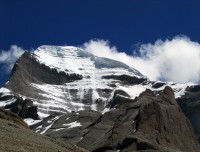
(176, 60)
(8, 58)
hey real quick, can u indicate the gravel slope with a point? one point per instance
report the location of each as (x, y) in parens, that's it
(18, 138)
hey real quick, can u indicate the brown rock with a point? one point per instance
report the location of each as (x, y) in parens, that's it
(15, 136)
(148, 123)
(7, 115)
(161, 123)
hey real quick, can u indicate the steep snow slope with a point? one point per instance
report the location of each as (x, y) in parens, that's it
(73, 60)
(91, 84)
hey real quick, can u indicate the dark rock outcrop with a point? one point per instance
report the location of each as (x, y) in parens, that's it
(23, 108)
(126, 79)
(65, 125)
(162, 123)
(28, 70)
(118, 97)
(190, 105)
(158, 84)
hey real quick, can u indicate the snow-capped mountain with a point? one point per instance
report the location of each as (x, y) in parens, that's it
(70, 79)
(64, 89)
(63, 79)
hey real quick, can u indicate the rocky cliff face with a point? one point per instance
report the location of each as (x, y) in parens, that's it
(68, 79)
(100, 104)
(149, 122)
(190, 105)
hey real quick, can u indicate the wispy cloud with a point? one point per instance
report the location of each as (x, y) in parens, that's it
(8, 58)
(176, 60)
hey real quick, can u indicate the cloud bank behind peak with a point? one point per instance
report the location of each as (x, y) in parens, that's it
(176, 60)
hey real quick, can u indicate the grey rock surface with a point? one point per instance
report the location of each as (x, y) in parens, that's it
(190, 105)
(148, 123)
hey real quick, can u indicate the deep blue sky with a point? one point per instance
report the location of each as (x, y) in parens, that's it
(31, 23)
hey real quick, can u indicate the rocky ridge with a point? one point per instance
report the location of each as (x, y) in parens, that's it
(149, 122)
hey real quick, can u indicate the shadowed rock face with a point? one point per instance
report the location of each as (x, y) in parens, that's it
(23, 108)
(158, 84)
(148, 123)
(190, 105)
(126, 79)
(162, 123)
(27, 70)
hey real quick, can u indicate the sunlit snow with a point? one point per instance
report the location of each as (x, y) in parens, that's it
(72, 124)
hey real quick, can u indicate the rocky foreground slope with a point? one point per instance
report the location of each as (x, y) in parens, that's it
(15, 136)
(100, 104)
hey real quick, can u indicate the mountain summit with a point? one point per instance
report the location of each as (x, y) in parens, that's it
(64, 79)
(100, 104)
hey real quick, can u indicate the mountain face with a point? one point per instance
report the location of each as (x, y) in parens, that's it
(50, 76)
(100, 104)
(190, 105)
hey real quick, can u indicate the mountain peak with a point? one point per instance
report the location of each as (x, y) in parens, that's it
(67, 78)
(75, 59)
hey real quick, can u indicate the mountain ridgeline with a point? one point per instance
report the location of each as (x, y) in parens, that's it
(99, 104)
